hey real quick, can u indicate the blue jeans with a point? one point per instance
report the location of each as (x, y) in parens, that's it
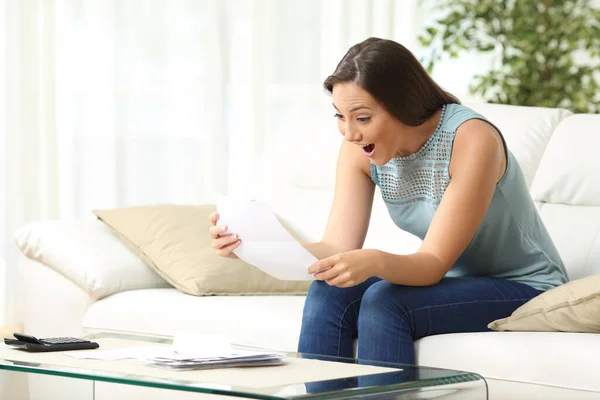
(388, 318)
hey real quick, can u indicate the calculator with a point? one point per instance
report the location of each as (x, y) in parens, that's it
(33, 344)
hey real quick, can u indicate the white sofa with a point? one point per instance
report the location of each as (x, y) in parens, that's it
(79, 278)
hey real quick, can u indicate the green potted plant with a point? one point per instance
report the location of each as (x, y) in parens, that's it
(547, 52)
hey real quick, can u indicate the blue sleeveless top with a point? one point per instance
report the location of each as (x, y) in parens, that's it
(511, 242)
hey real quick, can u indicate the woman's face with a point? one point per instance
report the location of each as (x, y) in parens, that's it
(362, 121)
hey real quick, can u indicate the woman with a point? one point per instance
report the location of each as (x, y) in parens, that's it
(446, 176)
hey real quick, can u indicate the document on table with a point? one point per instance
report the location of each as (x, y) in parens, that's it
(266, 244)
(169, 357)
(235, 358)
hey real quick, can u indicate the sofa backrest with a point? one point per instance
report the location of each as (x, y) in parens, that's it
(567, 189)
(556, 150)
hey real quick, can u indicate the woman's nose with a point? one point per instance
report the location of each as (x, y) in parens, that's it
(350, 134)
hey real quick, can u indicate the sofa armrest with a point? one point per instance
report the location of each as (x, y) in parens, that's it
(89, 254)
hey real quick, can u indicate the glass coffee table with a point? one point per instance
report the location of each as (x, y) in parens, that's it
(303, 376)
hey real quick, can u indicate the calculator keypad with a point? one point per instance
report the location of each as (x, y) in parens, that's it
(63, 340)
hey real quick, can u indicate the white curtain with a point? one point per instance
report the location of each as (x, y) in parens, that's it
(129, 102)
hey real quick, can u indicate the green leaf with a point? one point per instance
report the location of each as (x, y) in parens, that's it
(541, 46)
(432, 31)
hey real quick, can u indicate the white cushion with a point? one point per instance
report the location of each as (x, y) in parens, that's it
(64, 303)
(322, 151)
(264, 321)
(306, 155)
(554, 358)
(89, 254)
(304, 210)
(575, 231)
(568, 172)
(526, 130)
(511, 390)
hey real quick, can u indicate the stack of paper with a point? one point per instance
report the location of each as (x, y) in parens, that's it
(189, 350)
(171, 357)
(179, 361)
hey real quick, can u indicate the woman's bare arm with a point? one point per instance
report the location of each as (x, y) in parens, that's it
(476, 165)
(351, 210)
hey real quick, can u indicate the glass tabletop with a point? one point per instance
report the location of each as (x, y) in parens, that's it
(363, 379)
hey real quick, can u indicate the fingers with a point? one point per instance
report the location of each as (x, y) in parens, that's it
(321, 270)
(322, 265)
(315, 267)
(215, 232)
(224, 241)
(328, 268)
(224, 244)
(341, 280)
(327, 274)
(227, 250)
(213, 218)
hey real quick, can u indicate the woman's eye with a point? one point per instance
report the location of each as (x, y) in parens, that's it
(363, 119)
(339, 116)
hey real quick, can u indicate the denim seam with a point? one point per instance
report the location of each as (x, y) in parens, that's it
(468, 302)
(341, 322)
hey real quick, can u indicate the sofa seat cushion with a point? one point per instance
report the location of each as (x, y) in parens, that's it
(561, 359)
(264, 321)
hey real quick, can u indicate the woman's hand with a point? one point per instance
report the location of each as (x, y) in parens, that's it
(224, 244)
(346, 269)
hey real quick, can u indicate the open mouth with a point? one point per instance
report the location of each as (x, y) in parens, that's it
(369, 149)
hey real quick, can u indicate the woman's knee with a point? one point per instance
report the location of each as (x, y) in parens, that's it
(378, 295)
(323, 300)
(384, 325)
(383, 302)
(317, 298)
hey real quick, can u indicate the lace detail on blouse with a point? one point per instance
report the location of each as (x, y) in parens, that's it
(419, 177)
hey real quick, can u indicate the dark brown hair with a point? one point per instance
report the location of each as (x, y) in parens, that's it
(394, 77)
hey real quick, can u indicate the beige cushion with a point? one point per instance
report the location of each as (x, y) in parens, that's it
(173, 240)
(572, 307)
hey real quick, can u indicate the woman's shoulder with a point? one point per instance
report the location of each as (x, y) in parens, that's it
(352, 157)
(457, 114)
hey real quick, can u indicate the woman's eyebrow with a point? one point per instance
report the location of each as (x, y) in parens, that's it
(355, 108)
